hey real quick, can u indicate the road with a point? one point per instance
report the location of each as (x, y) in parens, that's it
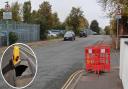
(57, 61)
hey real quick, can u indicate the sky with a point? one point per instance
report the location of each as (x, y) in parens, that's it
(92, 9)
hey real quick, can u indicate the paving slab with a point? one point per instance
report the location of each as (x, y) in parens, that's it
(108, 80)
(105, 81)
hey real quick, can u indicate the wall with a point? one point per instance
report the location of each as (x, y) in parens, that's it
(124, 62)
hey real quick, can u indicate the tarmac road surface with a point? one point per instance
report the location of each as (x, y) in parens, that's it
(57, 61)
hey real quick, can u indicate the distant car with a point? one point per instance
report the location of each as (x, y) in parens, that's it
(90, 32)
(51, 34)
(62, 32)
(95, 33)
(83, 33)
(57, 32)
(69, 35)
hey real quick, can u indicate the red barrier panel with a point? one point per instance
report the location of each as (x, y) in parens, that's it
(97, 58)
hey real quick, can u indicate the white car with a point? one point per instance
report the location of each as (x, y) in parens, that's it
(51, 34)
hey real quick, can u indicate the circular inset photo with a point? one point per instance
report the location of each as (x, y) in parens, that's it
(18, 65)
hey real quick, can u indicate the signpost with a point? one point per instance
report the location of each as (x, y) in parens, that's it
(7, 15)
(118, 17)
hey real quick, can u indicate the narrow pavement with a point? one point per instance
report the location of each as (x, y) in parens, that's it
(107, 80)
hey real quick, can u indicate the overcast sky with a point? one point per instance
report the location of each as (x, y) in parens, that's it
(92, 9)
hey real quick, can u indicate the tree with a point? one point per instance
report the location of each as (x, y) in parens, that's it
(112, 5)
(55, 21)
(35, 17)
(12, 38)
(83, 23)
(45, 14)
(15, 8)
(76, 20)
(1, 14)
(95, 26)
(102, 32)
(62, 26)
(27, 12)
(107, 30)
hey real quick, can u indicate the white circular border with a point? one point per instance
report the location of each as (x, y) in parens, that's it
(36, 65)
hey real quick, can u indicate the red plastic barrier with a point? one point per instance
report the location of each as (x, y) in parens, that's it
(97, 58)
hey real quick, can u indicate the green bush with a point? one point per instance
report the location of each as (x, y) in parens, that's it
(12, 38)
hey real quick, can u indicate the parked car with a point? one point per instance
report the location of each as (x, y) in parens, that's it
(95, 33)
(57, 32)
(51, 34)
(62, 32)
(83, 33)
(69, 35)
(90, 32)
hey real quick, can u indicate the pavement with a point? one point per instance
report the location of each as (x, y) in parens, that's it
(107, 80)
(57, 61)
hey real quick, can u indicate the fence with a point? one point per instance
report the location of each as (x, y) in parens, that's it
(124, 62)
(25, 32)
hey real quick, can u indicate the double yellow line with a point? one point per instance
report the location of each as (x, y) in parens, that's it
(71, 78)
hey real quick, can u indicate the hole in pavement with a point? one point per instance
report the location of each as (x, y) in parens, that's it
(20, 70)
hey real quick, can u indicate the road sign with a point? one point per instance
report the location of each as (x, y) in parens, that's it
(7, 15)
(118, 13)
(7, 7)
